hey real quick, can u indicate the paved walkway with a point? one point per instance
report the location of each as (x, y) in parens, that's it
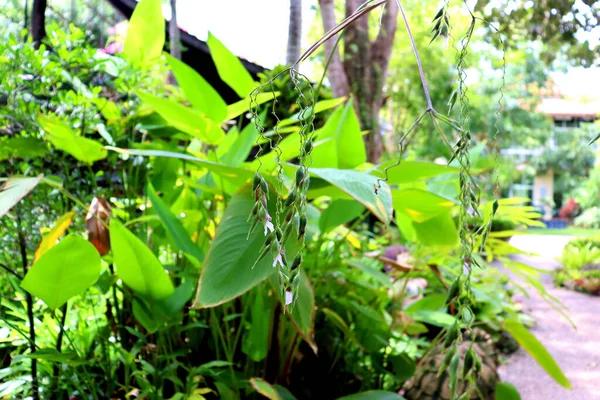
(577, 351)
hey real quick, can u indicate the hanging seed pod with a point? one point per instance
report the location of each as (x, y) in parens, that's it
(290, 199)
(262, 214)
(269, 239)
(453, 373)
(264, 187)
(256, 181)
(494, 207)
(279, 234)
(300, 175)
(266, 250)
(302, 226)
(454, 291)
(252, 227)
(254, 211)
(449, 354)
(297, 261)
(452, 335)
(308, 146)
(289, 215)
(469, 362)
(286, 232)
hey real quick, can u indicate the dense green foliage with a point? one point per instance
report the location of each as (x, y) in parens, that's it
(178, 291)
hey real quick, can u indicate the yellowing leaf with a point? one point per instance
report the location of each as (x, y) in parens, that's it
(146, 33)
(49, 240)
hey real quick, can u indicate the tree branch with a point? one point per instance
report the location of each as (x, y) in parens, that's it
(335, 73)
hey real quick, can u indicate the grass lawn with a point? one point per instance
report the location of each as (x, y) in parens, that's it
(567, 231)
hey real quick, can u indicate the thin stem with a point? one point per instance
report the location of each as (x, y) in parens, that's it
(29, 300)
(11, 271)
(419, 64)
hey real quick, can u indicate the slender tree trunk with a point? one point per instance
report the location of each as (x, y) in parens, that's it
(38, 21)
(363, 72)
(335, 73)
(295, 32)
(174, 34)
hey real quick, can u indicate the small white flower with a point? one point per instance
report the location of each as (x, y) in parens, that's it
(278, 259)
(268, 225)
(289, 297)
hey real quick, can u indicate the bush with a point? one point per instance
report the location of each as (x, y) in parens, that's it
(589, 219)
(581, 265)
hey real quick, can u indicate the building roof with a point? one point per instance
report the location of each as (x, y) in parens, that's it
(563, 108)
(196, 54)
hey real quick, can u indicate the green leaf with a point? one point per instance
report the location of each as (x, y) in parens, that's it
(198, 91)
(411, 171)
(374, 273)
(143, 314)
(507, 391)
(360, 186)
(64, 271)
(594, 139)
(14, 189)
(22, 147)
(63, 138)
(346, 149)
(431, 302)
(436, 318)
(54, 356)
(184, 118)
(256, 340)
(230, 68)
(537, 350)
(437, 231)
(228, 268)
(302, 315)
(145, 34)
(240, 150)
(239, 176)
(373, 395)
(420, 205)
(136, 265)
(265, 388)
(236, 109)
(338, 213)
(173, 225)
(403, 366)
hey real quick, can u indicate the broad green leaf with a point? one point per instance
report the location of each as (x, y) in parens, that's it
(303, 311)
(143, 314)
(184, 118)
(347, 149)
(171, 306)
(64, 271)
(228, 268)
(239, 176)
(319, 107)
(225, 392)
(431, 302)
(22, 147)
(52, 355)
(256, 340)
(63, 138)
(239, 151)
(360, 186)
(537, 350)
(374, 273)
(49, 240)
(411, 171)
(420, 205)
(136, 265)
(338, 213)
(436, 318)
(403, 366)
(13, 191)
(341, 324)
(145, 34)
(236, 109)
(230, 68)
(265, 388)
(437, 231)
(405, 225)
(174, 226)
(507, 391)
(373, 395)
(198, 91)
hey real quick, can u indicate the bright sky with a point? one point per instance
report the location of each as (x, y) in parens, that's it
(254, 29)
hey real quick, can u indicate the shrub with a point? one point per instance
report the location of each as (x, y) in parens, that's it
(581, 265)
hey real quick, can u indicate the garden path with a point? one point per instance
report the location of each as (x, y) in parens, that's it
(577, 351)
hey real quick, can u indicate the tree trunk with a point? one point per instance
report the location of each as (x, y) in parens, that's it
(294, 32)
(38, 22)
(363, 72)
(335, 73)
(174, 34)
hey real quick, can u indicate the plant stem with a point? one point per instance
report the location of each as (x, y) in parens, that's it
(11, 271)
(418, 59)
(29, 299)
(59, 340)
